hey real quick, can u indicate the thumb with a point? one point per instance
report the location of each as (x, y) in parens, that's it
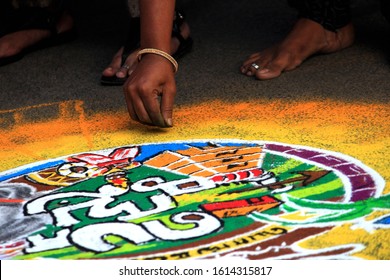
(167, 102)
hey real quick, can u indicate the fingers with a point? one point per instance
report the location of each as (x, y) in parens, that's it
(144, 105)
(151, 102)
(150, 92)
(129, 104)
(167, 102)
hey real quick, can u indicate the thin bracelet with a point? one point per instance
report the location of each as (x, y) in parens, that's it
(160, 53)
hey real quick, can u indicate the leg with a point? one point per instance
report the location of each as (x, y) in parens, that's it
(322, 27)
(25, 27)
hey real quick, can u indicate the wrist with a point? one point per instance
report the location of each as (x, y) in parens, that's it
(163, 54)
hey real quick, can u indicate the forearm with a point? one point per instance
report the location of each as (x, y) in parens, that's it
(151, 87)
(156, 23)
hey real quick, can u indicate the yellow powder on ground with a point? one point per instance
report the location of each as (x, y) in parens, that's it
(358, 130)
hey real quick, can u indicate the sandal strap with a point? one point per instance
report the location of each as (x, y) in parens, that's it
(177, 23)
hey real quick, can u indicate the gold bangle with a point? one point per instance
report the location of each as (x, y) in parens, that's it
(160, 53)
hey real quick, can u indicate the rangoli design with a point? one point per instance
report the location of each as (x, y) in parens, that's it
(182, 200)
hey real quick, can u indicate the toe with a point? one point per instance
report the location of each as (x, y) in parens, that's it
(122, 72)
(109, 71)
(268, 73)
(271, 70)
(254, 55)
(128, 66)
(246, 68)
(115, 64)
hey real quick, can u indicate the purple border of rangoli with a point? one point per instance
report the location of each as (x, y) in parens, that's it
(363, 184)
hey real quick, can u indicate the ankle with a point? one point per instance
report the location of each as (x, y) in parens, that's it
(184, 32)
(13, 43)
(341, 39)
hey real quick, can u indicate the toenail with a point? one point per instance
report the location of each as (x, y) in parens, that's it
(263, 71)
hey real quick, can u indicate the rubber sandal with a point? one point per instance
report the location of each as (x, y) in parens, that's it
(133, 43)
(38, 18)
(185, 45)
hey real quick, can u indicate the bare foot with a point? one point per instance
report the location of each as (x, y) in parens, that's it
(116, 65)
(305, 39)
(14, 43)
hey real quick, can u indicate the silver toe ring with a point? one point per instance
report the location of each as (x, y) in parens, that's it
(254, 65)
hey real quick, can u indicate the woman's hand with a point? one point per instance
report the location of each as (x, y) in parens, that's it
(150, 91)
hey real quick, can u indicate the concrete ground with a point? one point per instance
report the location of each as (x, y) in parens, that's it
(52, 104)
(225, 33)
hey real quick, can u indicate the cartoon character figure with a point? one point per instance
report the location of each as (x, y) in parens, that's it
(85, 166)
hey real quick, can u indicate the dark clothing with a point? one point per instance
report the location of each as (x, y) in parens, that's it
(25, 16)
(385, 6)
(331, 14)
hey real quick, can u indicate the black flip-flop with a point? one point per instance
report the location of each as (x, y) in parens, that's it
(133, 42)
(185, 45)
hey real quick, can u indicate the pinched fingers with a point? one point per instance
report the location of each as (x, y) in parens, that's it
(143, 104)
(167, 103)
(150, 92)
